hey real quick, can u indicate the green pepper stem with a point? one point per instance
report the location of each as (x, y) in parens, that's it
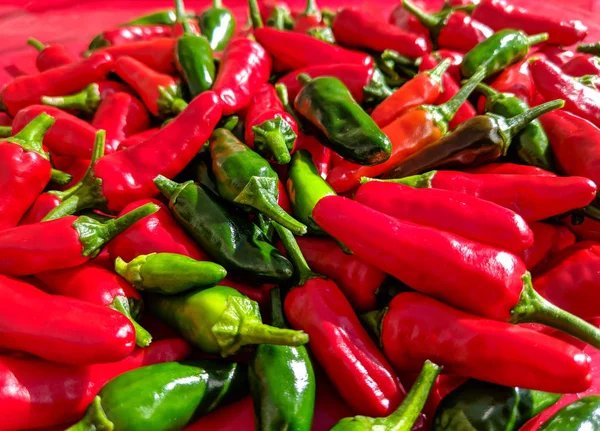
(31, 136)
(486, 90)
(277, 318)
(537, 38)
(282, 93)
(438, 71)
(217, 4)
(428, 20)
(181, 17)
(372, 321)
(589, 48)
(259, 333)
(294, 254)
(303, 78)
(587, 80)
(311, 9)
(533, 308)
(274, 141)
(397, 58)
(518, 122)
(166, 186)
(591, 211)
(60, 177)
(255, 14)
(86, 100)
(36, 44)
(5, 131)
(142, 337)
(418, 181)
(94, 420)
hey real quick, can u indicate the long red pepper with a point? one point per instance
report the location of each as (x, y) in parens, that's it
(138, 138)
(416, 327)
(26, 170)
(552, 83)
(29, 89)
(548, 240)
(61, 329)
(516, 79)
(582, 64)
(321, 155)
(126, 176)
(449, 211)
(62, 243)
(511, 169)
(499, 14)
(476, 278)
(350, 358)
(51, 56)
(358, 29)
(157, 54)
(129, 34)
(38, 393)
(120, 115)
(157, 233)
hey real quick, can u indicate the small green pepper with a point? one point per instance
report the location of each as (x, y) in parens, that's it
(245, 178)
(306, 187)
(232, 240)
(282, 382)
(345, 127)
(500, 50)
(217, 24)
(169, 273)
(582, 415)
(164, 397)
(483, 406)
(220, 320)
(405, 416)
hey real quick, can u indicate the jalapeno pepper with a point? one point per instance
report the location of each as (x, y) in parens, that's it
(578, 416)
(217, 23)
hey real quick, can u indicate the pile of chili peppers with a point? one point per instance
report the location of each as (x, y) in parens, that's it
(312, 220)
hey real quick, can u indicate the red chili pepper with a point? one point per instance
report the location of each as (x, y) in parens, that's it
(28, 89)
(138, 138)
(557, 55)
(64, 330)
(26, 170)
(589, 229)
(548, 240)
(157, 54)
(499, 14)
(321, 155)
(69, 136)
(51, 56)
(407, 22)
(450, 211)
(416, 327)
(516, 79)
(38, 393)
(74, 166)
(511, 169)
(309, 18)
(62, 243)
(134, 33)
(455, 58)
(44, 203)
(157, 233)
(357, 29)
(121, 115)
(582, 64)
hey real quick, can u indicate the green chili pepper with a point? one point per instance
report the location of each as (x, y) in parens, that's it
(220, 320)
(500, 50)
(163, 397)
(229, 238)
(193, 56)
(169, 273)
(589, 48)
(345, 127)
(245, 178)
(166, 17)
(217, 24)
(582, 415)
(282, 382)
(478, 140)
(531, 143)
(305, 188)
(405, 416)
(484, 406)
(86, 101)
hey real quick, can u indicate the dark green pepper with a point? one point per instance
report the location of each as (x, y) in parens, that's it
(478, 140)
(193, 57)
(582, 415)
(305, 188)
(220, 320)
(199, 170)
(169, 273)
(589, 48)
(482, 406)
(245, 178)
(166, 17)
(229, 238)
(342, 123)
(164, 397)
(405, 415)
(282, 382)
(217, 24)
(500, 50)
(531, 144)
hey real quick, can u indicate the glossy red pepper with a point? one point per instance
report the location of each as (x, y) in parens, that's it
(137, 138)
(450, 211)
(51, 56)
(499, 14)
(548, 240)
(510, 169)
(62, 329)
(555, 54)
(358, 29)
(128, 34)
(28, 89)
(309, 18)
(455, 58)
(157, 233)
(43, 204)
(516, 79)
(582, 64)
(321, 155)
(407, 22)
(40, 393)
(157, 54)
(121, 115)
(75, 166)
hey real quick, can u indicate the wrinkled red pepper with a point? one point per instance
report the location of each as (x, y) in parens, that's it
(548, 240)
(157, 54)
(51, 56)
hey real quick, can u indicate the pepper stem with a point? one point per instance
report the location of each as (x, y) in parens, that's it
(255, 14)
(181, 17)
(87, 100)
(518, 122)
(311, 9)
(273, 139)
(36, 44)
(282, 93)
(217, 4)
(31, 136)
(303, 78)
(277, 317)
(422, 181)
(294, 254)
(533, 308)
(537, 38)
(372, 320)
(589, 48)
(94, 420)
(167, 187)
(431, 22)
(142, 337)
(60, 177)
(438, 71)
(5, 131)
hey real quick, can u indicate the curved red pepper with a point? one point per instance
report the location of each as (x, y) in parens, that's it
(157, 54)
(135, 33)
(356, 28)
(498, 14)
(121, 115)
(548, 240)
(453, 212)
(416, 328)
(455, 58)
(516, 79)
(62, 329)
(463, 32)
(28, 89)
(245, 67)
(51, 56)
(44, 203)
(321, 155)
(38, 393)
(138, 138)
(582, 64)
(510, 169)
